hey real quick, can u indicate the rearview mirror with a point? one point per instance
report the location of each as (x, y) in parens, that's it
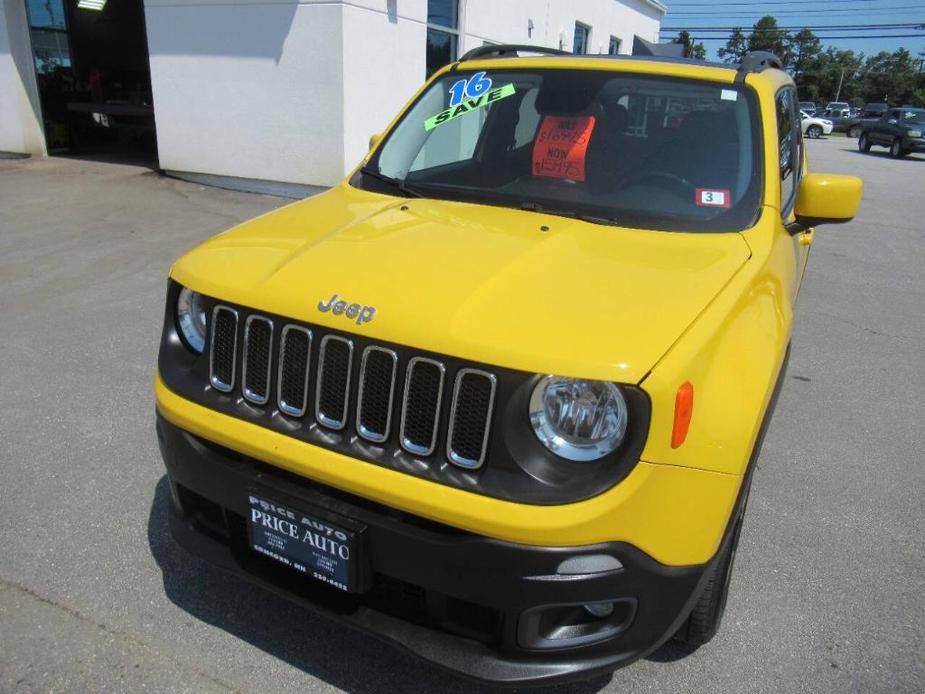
(827, 199)
(374, 140)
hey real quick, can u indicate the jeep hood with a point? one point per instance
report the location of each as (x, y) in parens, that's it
(482, 283)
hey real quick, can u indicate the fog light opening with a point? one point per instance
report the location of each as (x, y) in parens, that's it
(599, 610)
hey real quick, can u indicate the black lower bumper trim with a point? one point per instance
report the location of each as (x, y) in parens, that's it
(463, 601)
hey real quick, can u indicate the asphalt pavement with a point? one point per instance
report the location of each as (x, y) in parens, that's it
(94, 596)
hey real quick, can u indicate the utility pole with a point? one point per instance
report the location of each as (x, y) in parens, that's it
(840, 80)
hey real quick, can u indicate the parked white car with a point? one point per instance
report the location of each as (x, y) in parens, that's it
(815, 127)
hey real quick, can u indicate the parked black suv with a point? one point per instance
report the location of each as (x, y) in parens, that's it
(900, 129)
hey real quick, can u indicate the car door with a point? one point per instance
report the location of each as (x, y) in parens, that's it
(894, 127)
(881, 133)
(790, 150)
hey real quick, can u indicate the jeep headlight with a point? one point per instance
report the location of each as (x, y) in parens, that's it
(576, 419)
(191, 319)
(914, 133)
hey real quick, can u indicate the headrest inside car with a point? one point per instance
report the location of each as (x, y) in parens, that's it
(559, 96)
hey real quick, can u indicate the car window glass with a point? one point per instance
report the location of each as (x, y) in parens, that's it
(797, 139)
(528, 119)
(460, 137)
(788, 147)
(652, 152)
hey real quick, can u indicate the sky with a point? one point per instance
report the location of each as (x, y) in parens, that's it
(863, 15)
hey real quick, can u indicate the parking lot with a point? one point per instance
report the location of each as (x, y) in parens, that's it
(94, 596)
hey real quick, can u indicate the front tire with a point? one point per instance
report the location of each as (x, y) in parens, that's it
(814, 132)
(896, 149)
(864, 143)
(704, 620)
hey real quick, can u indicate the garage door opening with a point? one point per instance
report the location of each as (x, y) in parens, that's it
(91, 64)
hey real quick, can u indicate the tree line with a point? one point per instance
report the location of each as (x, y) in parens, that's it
(822, 73)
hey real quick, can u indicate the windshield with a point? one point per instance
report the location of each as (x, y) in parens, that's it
(610, 147)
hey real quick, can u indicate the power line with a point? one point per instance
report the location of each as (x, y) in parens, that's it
(763, 2)
(818, 27)
(827, 38)
(855, 10)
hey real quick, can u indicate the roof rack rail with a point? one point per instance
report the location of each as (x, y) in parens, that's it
(507, 50)
(756, 61)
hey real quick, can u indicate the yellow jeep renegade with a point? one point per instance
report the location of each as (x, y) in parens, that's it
(498, 396)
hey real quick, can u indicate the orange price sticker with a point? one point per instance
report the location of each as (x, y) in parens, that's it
(561, 146)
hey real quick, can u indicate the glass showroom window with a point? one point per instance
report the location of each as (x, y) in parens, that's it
(614, 47)
(582, 32)
(442, 33)
(50, 43)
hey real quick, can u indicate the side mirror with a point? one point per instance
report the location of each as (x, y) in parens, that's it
(827, 199)
(374, 140)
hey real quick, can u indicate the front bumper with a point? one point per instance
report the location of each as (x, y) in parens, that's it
(482, 607)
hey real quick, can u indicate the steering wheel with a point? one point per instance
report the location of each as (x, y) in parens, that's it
(667, 180)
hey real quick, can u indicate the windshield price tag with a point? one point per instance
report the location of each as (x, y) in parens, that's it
(464, 107)
(713, 198)
(561, 146)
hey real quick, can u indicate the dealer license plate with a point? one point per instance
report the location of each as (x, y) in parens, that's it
(306, 542)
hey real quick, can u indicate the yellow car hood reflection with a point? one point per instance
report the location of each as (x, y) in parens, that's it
(506, 287)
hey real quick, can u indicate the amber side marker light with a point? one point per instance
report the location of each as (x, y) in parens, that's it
(683, 411)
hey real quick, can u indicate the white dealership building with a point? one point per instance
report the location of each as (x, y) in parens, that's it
(262, 90)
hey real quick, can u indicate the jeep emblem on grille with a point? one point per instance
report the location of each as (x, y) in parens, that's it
(337, 306)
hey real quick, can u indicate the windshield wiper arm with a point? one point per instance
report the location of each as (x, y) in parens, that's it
(395, 182)
(571, 214)
(537, 207)
(609, 221)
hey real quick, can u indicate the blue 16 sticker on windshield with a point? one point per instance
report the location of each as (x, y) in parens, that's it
(471, 88)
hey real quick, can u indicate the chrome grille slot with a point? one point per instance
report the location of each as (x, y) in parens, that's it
(332, 392)
(223, 348)
(295, 347)
(255, 369)
(420, 412)
(376, 393)
(470, 418)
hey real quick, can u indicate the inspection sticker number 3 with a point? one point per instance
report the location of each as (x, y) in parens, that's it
(468, 95)
(707, 197)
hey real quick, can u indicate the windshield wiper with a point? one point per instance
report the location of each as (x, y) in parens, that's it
(571, 214)
(394, 182)
(609, 221)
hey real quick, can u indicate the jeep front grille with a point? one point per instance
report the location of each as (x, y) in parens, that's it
(473, 401)
(295, 348)
(333, 388)
(223, 349)
(420, 412)
(258, 341)
(376, 394)
(374, 390)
